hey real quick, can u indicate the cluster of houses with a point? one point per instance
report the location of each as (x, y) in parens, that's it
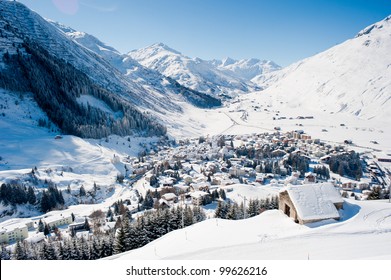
(196, 169)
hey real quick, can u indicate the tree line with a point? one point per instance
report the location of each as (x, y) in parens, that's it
(232, 211)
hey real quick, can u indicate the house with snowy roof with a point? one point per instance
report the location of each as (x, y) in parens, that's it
(311, 202)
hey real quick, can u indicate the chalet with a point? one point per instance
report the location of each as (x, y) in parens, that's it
(199, 198)
(349, 185)
(309, 178)
(311, 203)
(170, 197)
(167, 182)
(237, 171)
(201, 186)
(150, 177)
(76, 226)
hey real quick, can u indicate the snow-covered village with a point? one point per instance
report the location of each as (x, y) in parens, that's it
(147, 153)
(175, 185)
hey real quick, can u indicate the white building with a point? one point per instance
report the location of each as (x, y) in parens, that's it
(56, 221)
(12, 231)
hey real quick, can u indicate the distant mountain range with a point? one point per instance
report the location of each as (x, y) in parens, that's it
(60, 65)
(224, 78)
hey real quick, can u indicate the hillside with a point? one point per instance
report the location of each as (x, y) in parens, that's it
(156, 85)
(353, 77)
(273, 236)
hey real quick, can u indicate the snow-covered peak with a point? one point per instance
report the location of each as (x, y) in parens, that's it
(194, 73)
(162, 46)
(227, 61)
(247, 68)
(352, 77)
(385, 23)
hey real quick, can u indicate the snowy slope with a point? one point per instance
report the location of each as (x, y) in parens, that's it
(246, 68)
(193, 73)
(22, 24)
(155, 84)
(353, 77)
(363, 233)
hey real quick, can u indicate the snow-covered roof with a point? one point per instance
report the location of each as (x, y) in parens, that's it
(169, 196)
(315, 201)
(198, 194)
(55, 218)
(35, 238)
(12, 225)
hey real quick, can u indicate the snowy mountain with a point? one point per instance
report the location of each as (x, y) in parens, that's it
(156, 84)
(193, 73)
(59, 64)
(245, 68)
(353, 77)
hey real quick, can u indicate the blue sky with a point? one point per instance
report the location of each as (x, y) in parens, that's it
(281, 30)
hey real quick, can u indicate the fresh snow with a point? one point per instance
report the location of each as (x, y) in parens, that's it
(353, 77)
(362, 233)
(315, 201)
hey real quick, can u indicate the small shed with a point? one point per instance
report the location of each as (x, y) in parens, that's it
(311, 202)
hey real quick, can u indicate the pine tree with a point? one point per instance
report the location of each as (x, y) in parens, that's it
(252, 208)
(222, 194)
(120, 241)
(94, 250)
(31, 198)
(219, 212)
(198, 214)
(48, 252)
(232, 211)
(45, 203)
(19, 252)
(82, 191)
(86, 225)
(74, 250)
(41, 226)
(109, 213)
(46, 230)
(5, 254)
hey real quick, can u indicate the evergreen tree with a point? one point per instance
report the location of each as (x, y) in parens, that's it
(120, 241)
(222, 194)
(86, 225)
(48, 252)
(82, 191)
(46, 230)
(94, 250)
(41, 226)
(45, 203)
(219, 212)
(31, 198)
(109, 213)
(19, 252)
(5, 254)
(233, 211)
